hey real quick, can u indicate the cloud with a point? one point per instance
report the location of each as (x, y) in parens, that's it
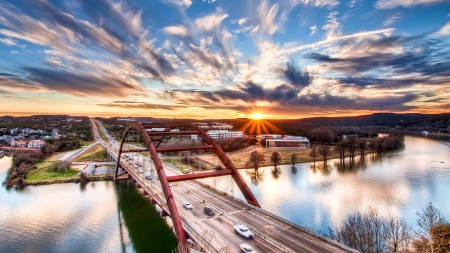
(321, 3)
(390, 4)
(313, 29)
(332, 27)
(391, 20)
(444, 31)
(242, 21)
(141, 105)
(178, 3)
(212, 21)
(267, 16)
(83, 83)
(8, 41)
(178, 30)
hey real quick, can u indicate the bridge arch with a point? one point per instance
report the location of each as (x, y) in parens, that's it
(153, 151)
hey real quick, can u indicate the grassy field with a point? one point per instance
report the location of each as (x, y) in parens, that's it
(96, 153)
(43, 174)
(85, 143)
(239, 160)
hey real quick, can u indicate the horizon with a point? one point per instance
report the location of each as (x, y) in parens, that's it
(192, 59)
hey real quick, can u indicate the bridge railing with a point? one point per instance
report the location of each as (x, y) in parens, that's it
(207, 244)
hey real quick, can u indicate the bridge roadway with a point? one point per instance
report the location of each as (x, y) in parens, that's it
(273, 234)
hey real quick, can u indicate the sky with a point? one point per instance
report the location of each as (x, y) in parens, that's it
(218, 59)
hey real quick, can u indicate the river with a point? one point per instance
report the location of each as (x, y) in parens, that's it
(108, 217)
(319, 197)
(96, 217)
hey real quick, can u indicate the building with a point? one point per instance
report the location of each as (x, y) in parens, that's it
(18, 144)
(218, 125)
(14, 130)
(288, 141)
(222, 134)
(36, 143)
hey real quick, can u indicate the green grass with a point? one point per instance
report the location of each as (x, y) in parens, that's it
(42, 173)
(96, 153)
(85, 143)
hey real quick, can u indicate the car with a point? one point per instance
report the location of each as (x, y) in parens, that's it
(187, 205)
(149, 177)
(243, 230)
(141, 171)
(246, 248)
(208, 210)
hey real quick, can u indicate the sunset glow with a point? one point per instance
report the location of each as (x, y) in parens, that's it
(221, 59)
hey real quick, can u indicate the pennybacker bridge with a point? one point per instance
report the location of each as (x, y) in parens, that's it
(188, 202)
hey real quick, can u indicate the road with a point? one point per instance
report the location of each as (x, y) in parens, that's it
(272, 233)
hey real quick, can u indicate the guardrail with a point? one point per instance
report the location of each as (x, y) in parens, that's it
(303, 229)
(255, 231)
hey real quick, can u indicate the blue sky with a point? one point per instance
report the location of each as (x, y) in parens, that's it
(224, 59)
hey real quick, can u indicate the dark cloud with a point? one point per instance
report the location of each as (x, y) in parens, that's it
(428, 57)
(114, 30)
(81, 84)
(141, 105)
(296, 77)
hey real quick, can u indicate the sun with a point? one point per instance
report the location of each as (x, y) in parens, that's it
(257, 116)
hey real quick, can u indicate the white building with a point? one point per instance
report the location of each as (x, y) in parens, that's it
(222, 134)
(218, 125)
(288, 141)
(36, 143)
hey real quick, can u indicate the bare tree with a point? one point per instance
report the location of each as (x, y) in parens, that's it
(362, 146)
(314, 153)
(256, 159)
(275, 158)
(429, 218)
(324, 151)
(294, 158)
(397, 234)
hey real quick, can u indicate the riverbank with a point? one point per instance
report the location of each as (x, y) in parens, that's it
(70, 180)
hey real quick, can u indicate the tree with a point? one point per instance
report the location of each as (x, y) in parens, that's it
(397, 234)
(256, 159)
(294, 159)
(429, 218)
(314, 153)
(324, 151)
(275, 158)
(362, 146)
(340, 147)
(441, 238)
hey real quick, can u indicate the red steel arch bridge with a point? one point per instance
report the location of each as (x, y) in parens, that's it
(152, 135)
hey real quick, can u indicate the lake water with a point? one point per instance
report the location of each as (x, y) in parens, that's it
(322, 196)
(96, 217)
(109, 217)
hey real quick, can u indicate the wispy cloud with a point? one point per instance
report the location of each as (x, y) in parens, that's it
(8, 41)
(390, 4)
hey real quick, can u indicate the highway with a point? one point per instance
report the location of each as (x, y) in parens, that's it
(272, 234)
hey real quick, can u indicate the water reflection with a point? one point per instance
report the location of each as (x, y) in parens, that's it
(321, 195)
(276, 172)
(255, 175)
(93, 217)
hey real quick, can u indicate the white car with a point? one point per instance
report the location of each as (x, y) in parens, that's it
(243, 230)
(187, 205)
(246, 248)
(141, 171)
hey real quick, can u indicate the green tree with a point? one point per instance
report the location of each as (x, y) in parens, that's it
(275, 158)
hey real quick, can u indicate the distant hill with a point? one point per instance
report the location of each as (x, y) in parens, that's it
(376, 119)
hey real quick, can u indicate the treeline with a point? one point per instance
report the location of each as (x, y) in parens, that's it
(67, 144)
(229, 145)
(368, 232)
(22, 163)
